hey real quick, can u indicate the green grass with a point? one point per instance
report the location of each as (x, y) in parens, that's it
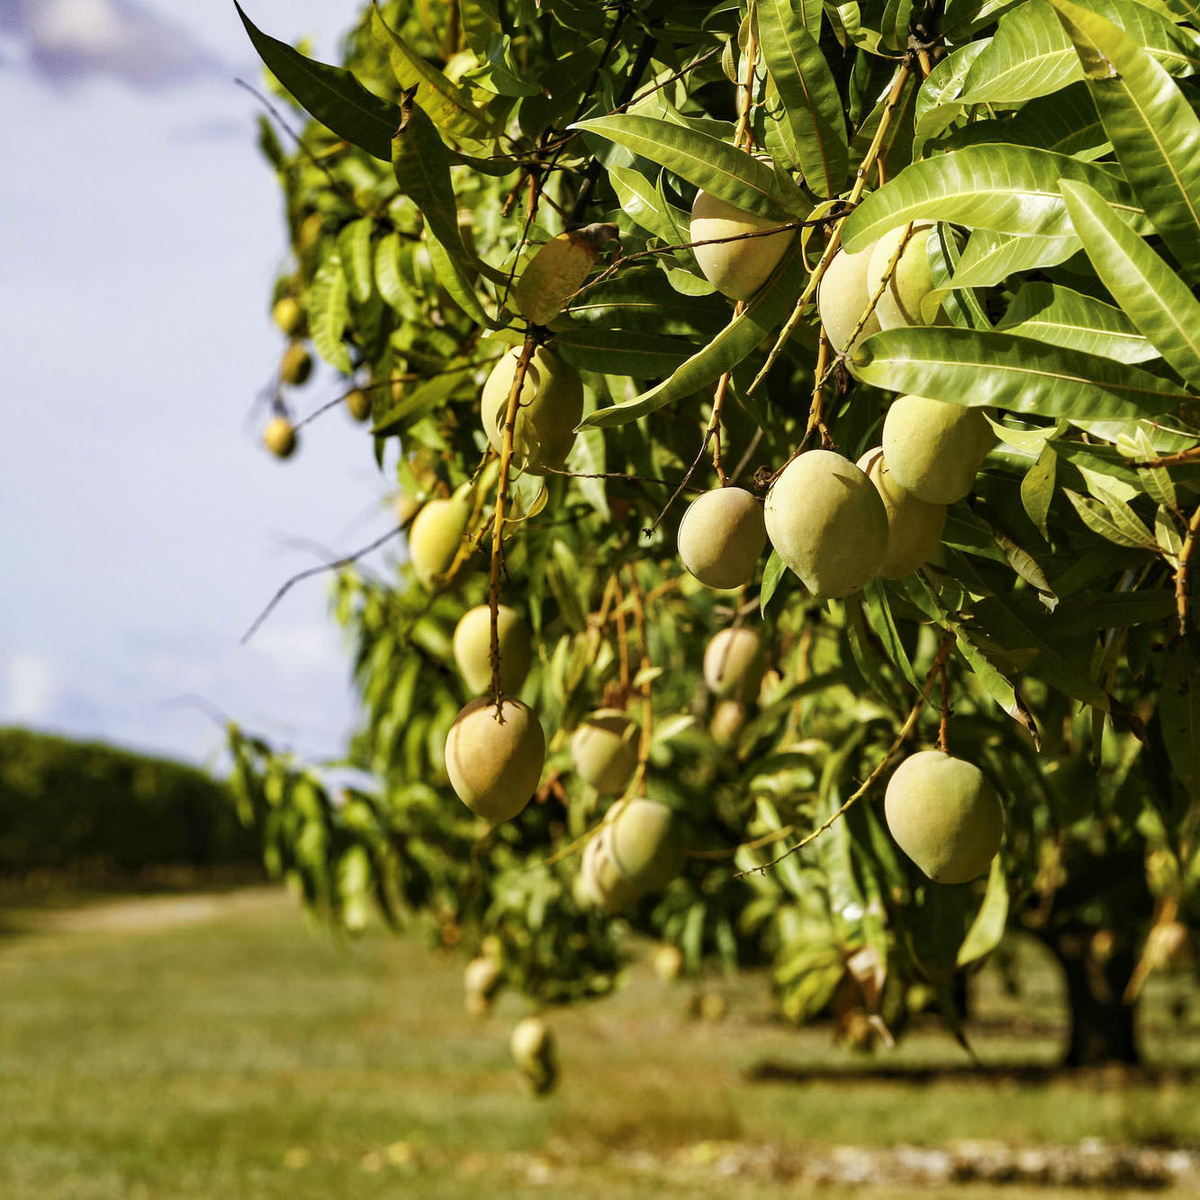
(226, 1051)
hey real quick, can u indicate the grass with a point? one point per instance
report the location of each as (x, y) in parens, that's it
(183, 1049)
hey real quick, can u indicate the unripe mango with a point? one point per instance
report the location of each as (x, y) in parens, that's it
(601, 882)
(733, 665)
(944, 815)
(473, 649)
(721, 537)
(604, 750)
(358, 405)
(494, 766)
(296, 365)
(667, 961)
(934, 449)
(481, 981)
(828, 523)
(911, 282)
(736, 269)
(842, 298)
(533, 1050)
(550, 406)
(435, 535)
(288, 315)
(647, 843)
(726, 722)
(914, 526)
(280, 437)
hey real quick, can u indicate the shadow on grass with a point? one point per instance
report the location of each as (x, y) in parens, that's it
(1113, 1076)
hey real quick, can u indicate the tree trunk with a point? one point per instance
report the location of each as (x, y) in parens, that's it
(1102, 1024)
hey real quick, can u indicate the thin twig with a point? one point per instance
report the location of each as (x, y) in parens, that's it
(1182, 570)
(506, 449)
(639, 620)
(835, 240)
(905, 729)
(873, 299)
(337, 564)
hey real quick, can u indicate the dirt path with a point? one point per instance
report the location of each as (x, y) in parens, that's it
(146, 914)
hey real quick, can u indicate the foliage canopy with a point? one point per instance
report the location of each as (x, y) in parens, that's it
(500, 173)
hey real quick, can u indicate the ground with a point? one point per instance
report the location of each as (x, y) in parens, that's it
(189, 1047)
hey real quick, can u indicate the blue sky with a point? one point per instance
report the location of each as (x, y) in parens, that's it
(142, 527)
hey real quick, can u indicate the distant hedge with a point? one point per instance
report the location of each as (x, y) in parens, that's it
(67, 805)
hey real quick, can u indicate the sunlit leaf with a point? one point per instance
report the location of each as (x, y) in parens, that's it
(982, 367)
(1154, 130)
(1008, 189)
(812, 125)
(331, 94)
(708, 163)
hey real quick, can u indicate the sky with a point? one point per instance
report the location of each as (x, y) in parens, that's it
(142, 525)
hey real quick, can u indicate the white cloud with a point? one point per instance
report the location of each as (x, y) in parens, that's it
(73, 39)
(32, 688)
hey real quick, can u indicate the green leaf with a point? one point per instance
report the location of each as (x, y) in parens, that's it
(982, 367)
(813, 128)
(1062, 317)
(773, 572)
(1008, 189)
(1065, 122)
(730, 174)
(448, 104)
(961, 305)
(329, 312)
(424, 398)
(622, 351)
(990, 258)
(331, 94)
(458, 280)
(1037, 489)
(734, 343)
(937, 105)
(354, 245)
(641, 201)
(878, 612)
(988, 927)
(1031, 56)
(1108, 610)
(1153, 129)
(421, 165)
(1002, 622)
(1179, 713)
(388, 277)
(1109, 523)
(1156, 300)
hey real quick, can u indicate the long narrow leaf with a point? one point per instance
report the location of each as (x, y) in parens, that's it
(1062, 317)
(1031, 56)
(448, 104)
(1153, 128)
(1008, 189)
(331, 94)
(981, 367)
(1156, 300)
(990, 258)
(709, 163)
(812, 108)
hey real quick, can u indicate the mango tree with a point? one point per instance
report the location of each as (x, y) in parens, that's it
(783, 392)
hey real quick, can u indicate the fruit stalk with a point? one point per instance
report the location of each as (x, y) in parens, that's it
(865, 315)
(835, 240)
(639, 620)
(510, 421)
(1181, 572)
(910, 722)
